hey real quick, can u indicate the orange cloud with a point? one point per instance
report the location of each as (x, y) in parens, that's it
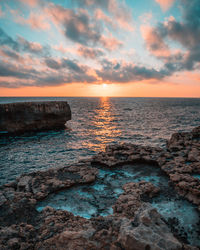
(165, 4)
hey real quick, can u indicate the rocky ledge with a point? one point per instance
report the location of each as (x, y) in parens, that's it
(134, 224)
(180, 161)
(33, 116)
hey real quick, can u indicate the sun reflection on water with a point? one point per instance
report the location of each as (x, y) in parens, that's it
(105, 123)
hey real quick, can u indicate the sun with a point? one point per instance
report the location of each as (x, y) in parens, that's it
(104, 85)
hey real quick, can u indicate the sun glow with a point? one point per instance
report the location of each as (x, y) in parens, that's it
(104, 85)
(105, 90)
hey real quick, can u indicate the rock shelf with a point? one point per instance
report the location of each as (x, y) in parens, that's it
(33, 116)
(134, 224)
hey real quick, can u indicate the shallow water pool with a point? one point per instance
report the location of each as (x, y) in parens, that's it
(97, 199)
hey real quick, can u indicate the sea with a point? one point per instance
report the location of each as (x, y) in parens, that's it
(96, 122)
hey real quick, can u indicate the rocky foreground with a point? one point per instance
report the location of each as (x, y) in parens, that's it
(33, 116)
(134, 224)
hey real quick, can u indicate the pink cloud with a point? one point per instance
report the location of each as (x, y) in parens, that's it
(165, 4)
(122, 14)
(79, 27)
(58, 14)
(154, 42)
(63, 49)
(1, 12)
(38, 21)
(8, 53)
(110, 43)
(120, 21)
(35, 21)
(89, 52)
(31, 3)
(100, 15)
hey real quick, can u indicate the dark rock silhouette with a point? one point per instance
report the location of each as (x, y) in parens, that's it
(33, 116)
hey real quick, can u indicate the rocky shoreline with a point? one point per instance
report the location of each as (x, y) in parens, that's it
(134, 224)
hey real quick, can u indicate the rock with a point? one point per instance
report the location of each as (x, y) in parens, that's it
(14, 243)
(23, 184)
(134, 223)
(150, 232)
(32, 116)
(129, 202)
(2, 199)
(194, 155)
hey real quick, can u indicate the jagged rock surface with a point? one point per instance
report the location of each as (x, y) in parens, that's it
(134, 225)
(180, 160)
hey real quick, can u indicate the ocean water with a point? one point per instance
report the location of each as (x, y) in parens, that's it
(96, 122)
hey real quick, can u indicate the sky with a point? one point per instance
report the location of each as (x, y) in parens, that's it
(139, 48)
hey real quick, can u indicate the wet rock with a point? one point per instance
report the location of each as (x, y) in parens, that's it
(18, 205)
(42, 183)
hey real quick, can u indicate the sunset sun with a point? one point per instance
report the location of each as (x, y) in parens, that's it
(104, 85)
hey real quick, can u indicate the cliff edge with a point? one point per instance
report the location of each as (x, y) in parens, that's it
(33, 116)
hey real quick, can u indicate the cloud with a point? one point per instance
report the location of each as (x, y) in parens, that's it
(66, 71)
(32, 47)
(7, 40)
(77, 26)
(154, 42)
(93, 3)
(1, 12)
(81, 27)
(7, 69)
(64, 63)
(165, 4)
(22, 45)
(72, 65)
(31, 3)
(10, 53)
(52, 63)
(62, 71)
(90, 52)
(110, 43)
(86, 29)
(35, 21)
(186, 33)
(117, 9)
(122, 72)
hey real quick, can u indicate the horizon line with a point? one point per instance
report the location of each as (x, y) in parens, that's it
(101, 97)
